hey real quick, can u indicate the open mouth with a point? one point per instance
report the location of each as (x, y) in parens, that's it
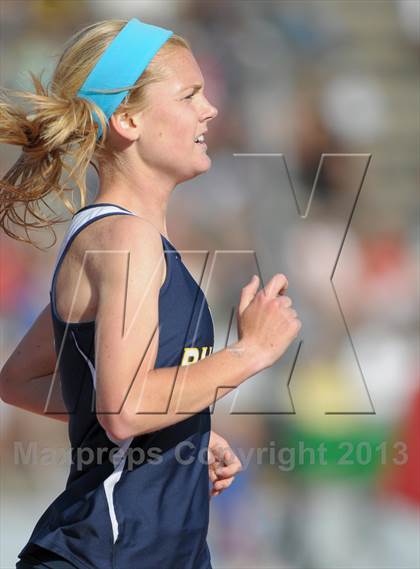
(199, 139)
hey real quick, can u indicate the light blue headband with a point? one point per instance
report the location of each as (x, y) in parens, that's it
(121, 65)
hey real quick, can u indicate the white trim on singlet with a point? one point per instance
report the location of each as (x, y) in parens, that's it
(118, 458)
(87, 360)
(109, 483)
(80, 218)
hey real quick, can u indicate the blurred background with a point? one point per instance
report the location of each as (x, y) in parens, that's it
(329, 437)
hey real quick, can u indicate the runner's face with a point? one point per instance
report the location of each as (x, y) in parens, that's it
(177, 113)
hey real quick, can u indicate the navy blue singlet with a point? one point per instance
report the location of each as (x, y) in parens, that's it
(153, 513)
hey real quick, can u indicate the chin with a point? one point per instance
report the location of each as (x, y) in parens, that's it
(204, 165)
(201, 168)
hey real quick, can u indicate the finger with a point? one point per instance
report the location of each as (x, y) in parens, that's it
(221, 485)
(276, 285)
(248, 293)
(212, 475)
(229, 457)
(213, 468)
(229, 470)
(213, 491)
(285, 301)
(211, 459)
(218, 451)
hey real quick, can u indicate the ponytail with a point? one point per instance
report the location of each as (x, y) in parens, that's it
(58, 137)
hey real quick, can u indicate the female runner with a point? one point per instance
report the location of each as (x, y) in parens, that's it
(123, 351)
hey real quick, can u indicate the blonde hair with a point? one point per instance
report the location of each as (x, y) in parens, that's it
(60, 135)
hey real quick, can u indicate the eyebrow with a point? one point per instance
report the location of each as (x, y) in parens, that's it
(195, 87)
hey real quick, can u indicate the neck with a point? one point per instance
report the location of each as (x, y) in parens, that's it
(142, 192)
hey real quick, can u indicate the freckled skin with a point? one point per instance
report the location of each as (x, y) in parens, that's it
(174, 117)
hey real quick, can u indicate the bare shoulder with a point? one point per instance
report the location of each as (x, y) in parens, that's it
(119, 240)
(116, 231)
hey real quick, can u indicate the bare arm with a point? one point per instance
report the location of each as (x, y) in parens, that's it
(134, 398)
(26, 379)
